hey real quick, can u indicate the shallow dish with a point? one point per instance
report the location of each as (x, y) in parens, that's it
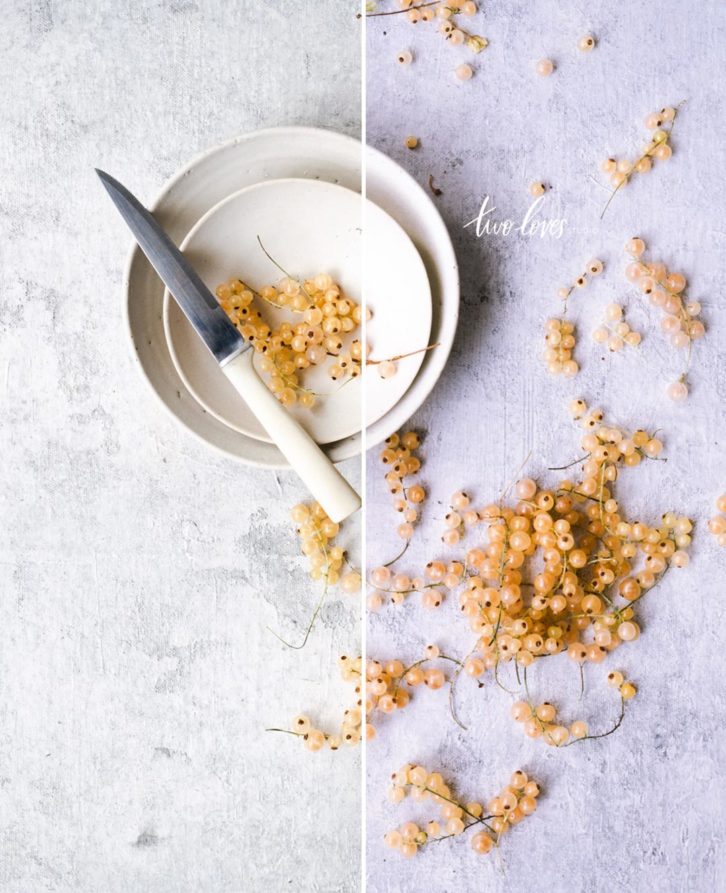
(308, 226)
(272, 154)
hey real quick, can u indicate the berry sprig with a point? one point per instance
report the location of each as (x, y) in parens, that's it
(511, 806)
(350, 730)
(398, 586)
(316, 533)
(388, 689)
(326, 318)
(541, 720)
(460, 518)
(450, 27)
(387, 368)
(615, 331)
(389, 683)
(562, 570)
(658, 148)
(560, 337)
(665, 289)
(395, 586)
(717, 524)
(594, 268)
(559, 343)
(401, 463)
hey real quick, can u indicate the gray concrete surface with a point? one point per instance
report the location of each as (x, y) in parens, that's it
(140, 570)
(643, 809)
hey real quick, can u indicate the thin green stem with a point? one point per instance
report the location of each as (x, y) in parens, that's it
(648, 152)
(569, 464)
(282, 269)
(395, 12)
(482, 821)
(310, 625)
(478, 820)
(402, 356)
(601, 734)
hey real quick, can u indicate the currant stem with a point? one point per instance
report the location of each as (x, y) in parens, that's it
(402, 356)
(395, 12)
(310, 625)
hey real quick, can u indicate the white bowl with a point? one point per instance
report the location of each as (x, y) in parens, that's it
(308, 226)
(399, 195)
(273, 154)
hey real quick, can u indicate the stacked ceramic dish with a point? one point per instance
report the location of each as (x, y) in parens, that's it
(299, 189)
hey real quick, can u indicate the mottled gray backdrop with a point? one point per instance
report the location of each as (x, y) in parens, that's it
(139, 568)
(643, 809)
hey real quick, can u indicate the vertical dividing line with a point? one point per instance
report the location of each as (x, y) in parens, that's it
(364, 509)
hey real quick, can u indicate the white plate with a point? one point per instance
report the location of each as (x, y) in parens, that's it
(308, 226)
(273, 154)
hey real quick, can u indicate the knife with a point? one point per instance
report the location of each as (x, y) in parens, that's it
(234, 355)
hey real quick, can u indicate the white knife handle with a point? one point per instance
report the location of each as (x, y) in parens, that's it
(317, 472)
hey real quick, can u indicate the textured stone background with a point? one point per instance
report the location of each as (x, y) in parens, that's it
(644, 808)
(139, 569)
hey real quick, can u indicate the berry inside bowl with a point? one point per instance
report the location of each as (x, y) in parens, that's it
(310, 229)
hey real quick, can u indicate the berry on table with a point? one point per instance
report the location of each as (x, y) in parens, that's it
(658, 148)
(717, 524)
(664, 290)
(514, 802)
(545, 67)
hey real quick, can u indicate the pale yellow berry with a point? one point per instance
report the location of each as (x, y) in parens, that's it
(545, 67)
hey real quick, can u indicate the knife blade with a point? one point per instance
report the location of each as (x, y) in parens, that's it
(231, 351)
(196, 301)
